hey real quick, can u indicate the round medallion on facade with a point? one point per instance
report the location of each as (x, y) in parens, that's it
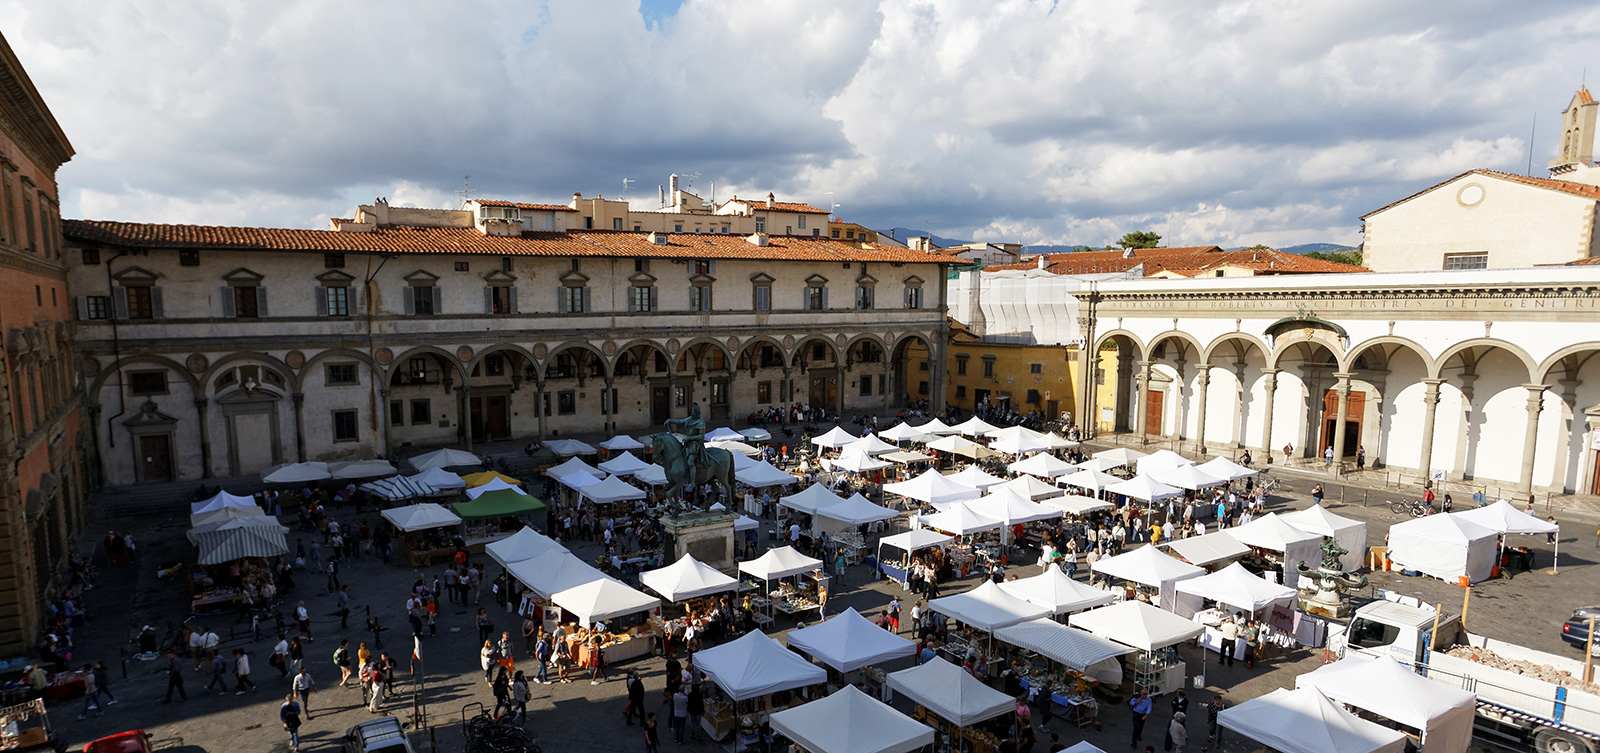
(1470, 195)
(610, 348)
(672, 346)
(197, 362)
(385, 356)
(464, 353)
(788, 341)
(295, 359)
(841, 340)
(539, 351)
(91, 366)
(733, 343)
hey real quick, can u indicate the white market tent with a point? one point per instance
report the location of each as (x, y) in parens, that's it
(746, 523)
(1019, 445)
(950, 693)
(1118, 456)
(201, 520)
(1306, 721)
(1391, 690)
(653, 475)
(1043, 465)
(811, 499)
(975, 477)
(1058, 592)
(974, 427)
(297, 473)
(911, 541)
(492, 485)
(724, 434)
(1445, 546)
(1090, 479)
(1056, 441)
(1214, 547)
(420, 517)
(756, 434)
(756, 665)
(565, 447)
(219, 501)
(1504, 517)
(603, 599)
(578, 479)
(252, 536)
(957, 445)
(1235, 587)
(1222, 467)
(361, 469)
(1032, 488)
(937, 427)
(987, 607)
(905, 457)
(1100, 464)
(1161, 460)
(761, 474)
(835, 438)
(1011, 507)
(625, 464)
(847, 642)
(439, 478)
(445, 458)
(1347, 532)
(610, 490)
(688, 578)
(779, 563)
(1074, 504)
(525, 544)
(1273, 533)
(1089, 654)
(870, 445)
(1144, 488)
(1187, 477)
(901, 432)
(959, 519)
(398, 488)
(1151, 567)
(1083, 747)
(1137, 624)
(622, 442)
(742, 461)
(850, 721)
(856, 510)
(933, 488)
(1012, 432)
(571, 466)
(856, 461)
(553, 572)
(736, 447)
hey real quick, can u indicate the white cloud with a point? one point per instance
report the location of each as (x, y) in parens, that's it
(1030, 120)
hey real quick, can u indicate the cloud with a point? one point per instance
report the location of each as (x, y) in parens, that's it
(1028, 120)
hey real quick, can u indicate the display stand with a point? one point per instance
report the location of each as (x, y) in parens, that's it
(952, 738)
(1159, 671)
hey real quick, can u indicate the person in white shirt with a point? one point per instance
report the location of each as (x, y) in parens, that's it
(1199, 528)
(197, 643)
(209, 642)
(1168, 530)
(280, 655)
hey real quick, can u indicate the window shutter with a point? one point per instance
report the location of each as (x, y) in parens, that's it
(712, 268)
(805, 298)
(438, 299)
(229, 306)
(653, 300)
(586, 308)
(488, 300)
(322, 301)
(261, 301)
(155, 303)
(824, 296)
(411, 301)
(119, 303)
(83, 308)
(564, 302)
(633, 299)
(511, 295)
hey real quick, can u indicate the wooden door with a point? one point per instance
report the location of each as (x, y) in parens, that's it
(1153, 412)
(475, 418)
(1052, 410)
(497, 417)
(818, 394)
(660, 405)
(1354, 408)
(155, 457)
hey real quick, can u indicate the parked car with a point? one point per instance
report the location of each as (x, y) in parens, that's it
(381, 735)
(133, 741)
(1576, 630)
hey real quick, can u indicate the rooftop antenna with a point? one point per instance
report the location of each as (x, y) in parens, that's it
(625, 183)
(832, 205)
(465, 192)
(1531, 131)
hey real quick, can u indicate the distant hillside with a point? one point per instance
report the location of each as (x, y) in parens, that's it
(1326, 248)
(902, 233)
(1051, 249)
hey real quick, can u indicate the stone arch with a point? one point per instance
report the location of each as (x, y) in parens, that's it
(1108, 335)
(485, 351)
(1235, 338)
(699, 343)
(1299, 342)
(1470, 347)
(1172, 334)
(544, 368)
(866, 337)
(226, 361)
(800, 349)
(297, 379)
(631, 345)
(1347, 362)
(126, 361)
(750, 347)
(399, 361)
(1545, 369)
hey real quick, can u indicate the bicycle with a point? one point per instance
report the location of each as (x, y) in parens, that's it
(488, 734)
(1412, 507)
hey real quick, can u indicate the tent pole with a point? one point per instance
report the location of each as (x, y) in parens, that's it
(1588, 654)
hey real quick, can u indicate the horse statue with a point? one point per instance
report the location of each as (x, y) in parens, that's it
(716, 464)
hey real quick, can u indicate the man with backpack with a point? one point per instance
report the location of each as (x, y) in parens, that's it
(289, 714)
(341, 659)
(543, 652)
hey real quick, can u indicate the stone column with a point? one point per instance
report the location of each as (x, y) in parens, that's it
(1203, 383)
(888, 405)
(464, 403)
(1530, 436)
(1342, 390)
(610, 416)
(200, 406)
(938, 342)
(538, 405)
(1088, 361)
(1270, 384)
(1430, 408)
(383, 413)
(1239, 395)
(783, 392)
(299, 427)
(1142, 384)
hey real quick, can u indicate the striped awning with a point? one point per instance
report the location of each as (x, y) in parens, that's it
(232, 541)
(399, 487)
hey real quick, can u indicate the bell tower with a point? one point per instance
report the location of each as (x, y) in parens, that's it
(1575, 144)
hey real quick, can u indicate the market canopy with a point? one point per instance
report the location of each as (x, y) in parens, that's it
(622, 442)
(253, 536)
(1083, 651)
(553, 572)
(950, 693)
(603, 599)
(903, 457)
(498, 504)
(847, 642)
(1306, 721)
(1348, 532)
(746, 523)
(1011, 507)
(688, 578)
(1448, 547)
(961, 520)
(870, 445)
(975, 477)
(1217, 546)
(1187, 477)
(522, 545)
(974, 427)
(919, 538)
(624, 465)
(1504, 517)
(1118, 456)
(987, 607)
(1144, 488)
(1161, 460)
(1233, 586)
(780, 563)
(1076, 504)
(1387, 688)
(901, 432)
(571, 466)
(811, 499)
(856, 510)
(937, 427)
(723, 434)
(1019, 445)
(361, 469)
(1089, 478)
(297, 473)
(445, 458)
(1043, 465)
(735, 446)
(578, 479)
(419, 517)
(653, 475)
(481, 478)
(1058, 592)
(1151, 567)
(1137, 624)
(612, 489)
(1056, 441)
(856, 461)
(850, 721)
(1222, 467)
(398, 488)
(221, 500)
(1031, 488)
(438, 478)
(756, 434)
(961, 446)
(1083, 747)
(493, 485)
(224, 515)
(933, 488)
(565, 447)
(756, 665)
(762, 474)
(1273, 533)
(835, 437)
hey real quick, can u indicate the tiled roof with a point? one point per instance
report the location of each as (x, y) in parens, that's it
(1263, 261)
(1584, 96)
(781, 206)
(1591, 261)
(1099, 262)
(534, 207)
(449, 240)
(1581, 190)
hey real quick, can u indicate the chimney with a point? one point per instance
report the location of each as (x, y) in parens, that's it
(758, 239)
(771, 200)
(1042, 263)
(672, 183)
(1128, 254)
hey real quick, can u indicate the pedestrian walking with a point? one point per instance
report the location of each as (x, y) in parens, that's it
(520, 695)
(341, 659)
(501, 688)
(1316, 494)
(597, 661)
(563, 656)
(333, 572)
(241, 672)
(894, 614)
(1177, 733)
(280, 656)
(91, 694)
(297, 660)
(303, 685)
(102, 684)
(1327, 457)
(1218, 703)
(174, 678)
(652, 736)
(302, 622)
(486, 658)
(289, 714)
(680, 714)
(503, 650)
(635, 707)
(542, 652)
(697, 709)
(344, 607)
(219, 670)
(1140, 706)
(485, 627)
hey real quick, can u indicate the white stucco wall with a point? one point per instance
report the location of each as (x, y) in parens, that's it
(1517, 225)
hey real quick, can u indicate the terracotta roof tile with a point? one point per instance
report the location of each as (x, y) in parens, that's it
(449, 240)
(1592, 261)
(780, 206)
(1263, 261)
(535, 207)
(1584, 96)
(1100, 262)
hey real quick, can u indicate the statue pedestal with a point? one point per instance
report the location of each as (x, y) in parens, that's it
(707, 536)
(1324, 603)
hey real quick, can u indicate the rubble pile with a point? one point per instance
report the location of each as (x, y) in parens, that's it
(1543, 672)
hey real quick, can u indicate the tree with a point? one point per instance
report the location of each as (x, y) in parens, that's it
(1140, 239)
(1351, 257)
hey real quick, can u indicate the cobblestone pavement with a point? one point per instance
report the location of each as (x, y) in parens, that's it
(583, 717)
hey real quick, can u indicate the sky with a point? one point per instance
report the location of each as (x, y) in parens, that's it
(1032, 121)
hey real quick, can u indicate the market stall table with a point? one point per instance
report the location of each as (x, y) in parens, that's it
(414, 523)
(1152, 631)
(952, 701)
(751, 666)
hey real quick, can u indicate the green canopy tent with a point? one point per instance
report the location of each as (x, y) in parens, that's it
(493, 516)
